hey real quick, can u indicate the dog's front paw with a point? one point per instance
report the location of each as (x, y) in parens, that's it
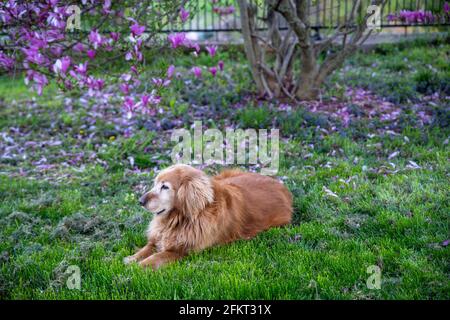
(129, 259)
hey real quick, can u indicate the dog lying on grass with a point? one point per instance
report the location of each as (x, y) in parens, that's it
(194, 212)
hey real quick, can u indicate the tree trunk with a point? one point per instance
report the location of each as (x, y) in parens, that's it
(283, 78)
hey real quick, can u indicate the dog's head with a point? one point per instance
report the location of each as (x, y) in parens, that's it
(179, 187)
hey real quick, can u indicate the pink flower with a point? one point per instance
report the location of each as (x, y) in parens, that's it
(125, 88)
(176, 39)
(61, 65)
(184, 15)
(126, 77)
(220, 64)
(39, 79)
(136, 29)
(223, 10)
(446, 7)
(95, 84)
(391, 17)
(114, 36)
(79, 47)
(129, 106)
(134, 70)
(95, 39)
(137, 53)
(149, 99)
(197, 71)
(160, 82)
(194, 45)
(213, 71)
(34, 56)
(107, 6)
(145, 100)
(6, 62)
(170, 71)
(81, 68)
(91, 54)
(56, 50)
(100, 84)
(211, 50)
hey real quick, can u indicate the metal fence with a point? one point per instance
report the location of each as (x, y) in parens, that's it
(223, 15)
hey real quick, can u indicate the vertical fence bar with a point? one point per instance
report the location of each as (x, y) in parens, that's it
(317, 13)
(212, 20)
(389, 11)
(396, 10)
(331, 12)
(234, 19)
(338, 22)
(204, 15)
(346, 11)
(197, 18)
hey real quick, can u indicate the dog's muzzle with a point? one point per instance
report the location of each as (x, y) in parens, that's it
(143, 200)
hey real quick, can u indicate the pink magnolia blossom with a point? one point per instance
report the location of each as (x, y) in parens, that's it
(115, 36)
(56, 51)
(136, 29)
(95, 84)
(419, 16)
(145, 99)
(126, 77)
(197, 71)
(134, 70)
(176, 39)
(137, 53)
(129, 106)
(223, 10)
(34, 56)
(211, 50)
(213, 71)
(107, 6)
(91, 54)
(160, 82)
(184, 15)
(82, 68)
(170, 71)
(62, 65)
(6, 62)
(95, 39)
(391, 17)
(79, 47)
(149, 99)
(125, 88)
(193, 45)
(39, 79)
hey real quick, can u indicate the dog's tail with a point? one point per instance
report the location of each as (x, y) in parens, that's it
(228, 174)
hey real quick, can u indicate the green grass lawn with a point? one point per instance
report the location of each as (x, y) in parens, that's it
(372, 191)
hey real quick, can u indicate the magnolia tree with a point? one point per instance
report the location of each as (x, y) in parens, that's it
(292, 63)
(75, 43)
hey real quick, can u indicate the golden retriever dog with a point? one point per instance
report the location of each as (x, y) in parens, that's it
(193, 211)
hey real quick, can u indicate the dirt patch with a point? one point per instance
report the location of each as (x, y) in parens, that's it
(354, 222)
(80, 228)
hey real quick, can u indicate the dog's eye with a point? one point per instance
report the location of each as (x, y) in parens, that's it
(164, 187)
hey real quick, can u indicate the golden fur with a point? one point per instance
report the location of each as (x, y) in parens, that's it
(204, 211)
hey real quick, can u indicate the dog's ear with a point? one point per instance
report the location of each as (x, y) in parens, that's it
(195, 193)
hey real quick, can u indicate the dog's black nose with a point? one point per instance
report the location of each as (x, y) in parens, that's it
(142, 201)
